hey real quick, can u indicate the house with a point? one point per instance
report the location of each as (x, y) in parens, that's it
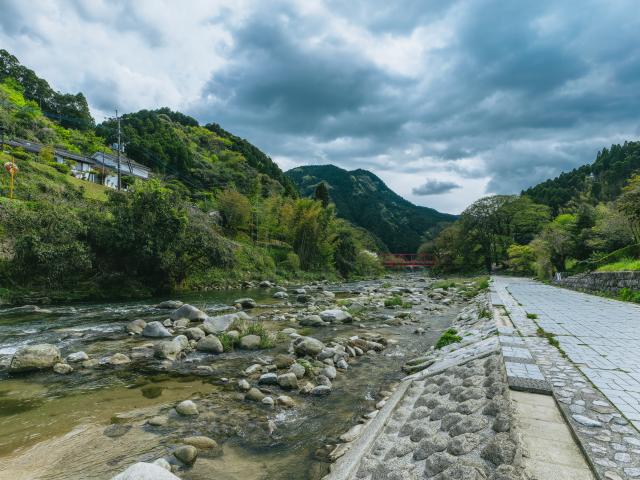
(101, 167)
(109, 161)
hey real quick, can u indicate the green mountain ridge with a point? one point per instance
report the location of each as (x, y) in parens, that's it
(365, 200)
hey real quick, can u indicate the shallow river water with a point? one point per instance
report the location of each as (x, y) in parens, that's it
(91, 424)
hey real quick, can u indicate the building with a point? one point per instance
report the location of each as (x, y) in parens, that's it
(100, 168)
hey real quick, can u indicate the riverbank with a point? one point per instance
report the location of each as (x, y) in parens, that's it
(273, 412)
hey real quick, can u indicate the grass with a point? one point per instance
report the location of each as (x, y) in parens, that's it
(623, 265)
(228, 341)
(551, 338)
(395, 301)
(91, 191)
(485, 313)
(628, 295)
(532, 316)
(444, 284)
(448, 337)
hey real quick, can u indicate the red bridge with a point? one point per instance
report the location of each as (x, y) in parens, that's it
(408, 260)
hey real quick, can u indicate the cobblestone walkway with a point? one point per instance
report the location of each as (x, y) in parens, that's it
(601, 341)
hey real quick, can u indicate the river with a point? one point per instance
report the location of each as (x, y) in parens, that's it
(91, 424)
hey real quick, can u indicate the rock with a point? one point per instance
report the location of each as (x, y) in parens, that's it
(281, 295)
(285, 401)
(335, 316)
(35, 357)
(77, 357)
(255, 395)
(118, 359)
(329, 372)
(502, 423)
(145, 471)
(468, 424)
(181, 323)
(62, 368)
(158, 421)
(353, 433)
(462, 471)
(328, 294)
(194, 333)
(342, 364)
(136, 326)
(250, 342)
(201, 442)
(304, 298)
(268, 401)
(189, 312)
(586, 421)
(221, 323)
(268, 379)
(251, 369)
(187, 407)
(321, 390)
(288, 381)
(210, 344)
(265, 284)
(430, 445)
(170, 349)
(463, 444)
(170, 304)
(509, 472)
(283, 361)
(186, 454)
(500, 449)
(307, 346)
(298, 370)
(155, 329)
(246, 303)
(437, 463)
(161, 462)
(243, 385)
(312, 321)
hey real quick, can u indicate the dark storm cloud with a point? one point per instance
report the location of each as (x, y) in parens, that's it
(435, 187)
(515, 79)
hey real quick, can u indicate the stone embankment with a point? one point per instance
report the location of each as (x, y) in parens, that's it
(609, 282)
(450, 420)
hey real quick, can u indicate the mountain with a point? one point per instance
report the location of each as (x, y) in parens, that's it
(601, 181)
(365, 200)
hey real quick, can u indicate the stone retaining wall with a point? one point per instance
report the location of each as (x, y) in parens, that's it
(611, 282)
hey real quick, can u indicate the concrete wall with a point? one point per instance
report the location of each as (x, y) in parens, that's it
(602, 281)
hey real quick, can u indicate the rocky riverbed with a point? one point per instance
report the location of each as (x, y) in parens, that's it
(269, 382)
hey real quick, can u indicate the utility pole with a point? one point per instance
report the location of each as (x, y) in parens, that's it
(118, 119)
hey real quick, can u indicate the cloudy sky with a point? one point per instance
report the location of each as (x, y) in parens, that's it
(445, 100)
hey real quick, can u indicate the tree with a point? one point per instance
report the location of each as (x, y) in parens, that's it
(345, 252)
(322, 194)
(235, 209)
(558, 241)
(310, 234)
(611, 230)
(629, 204)
(521, 258)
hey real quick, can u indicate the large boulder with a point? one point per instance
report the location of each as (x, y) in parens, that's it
(210, 344)
(221, 323)
(336, 316)
(188, 311)
(155, 330)
(307, 346)
(35, 357)
(145, 471)
(187, 407)
(312, 321)
(136, 326)
(288, 380)
(77, 357)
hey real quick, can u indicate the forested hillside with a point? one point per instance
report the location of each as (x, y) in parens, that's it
(217, 210)
(363, 199)
(600, 181)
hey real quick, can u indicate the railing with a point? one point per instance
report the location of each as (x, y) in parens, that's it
(408, 260)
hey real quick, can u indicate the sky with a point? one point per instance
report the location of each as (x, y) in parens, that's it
(446, 101)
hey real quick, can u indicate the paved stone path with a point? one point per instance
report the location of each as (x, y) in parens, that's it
(584, 324)
(601, 336)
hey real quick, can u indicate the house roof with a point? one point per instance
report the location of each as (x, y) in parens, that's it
(123, 159)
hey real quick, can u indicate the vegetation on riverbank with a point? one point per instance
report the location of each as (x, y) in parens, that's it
(217, 212)
(585, 220)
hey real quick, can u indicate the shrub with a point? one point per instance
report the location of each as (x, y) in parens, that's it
(532, 316)
(521, 259)
(628, 295)
(448, 337)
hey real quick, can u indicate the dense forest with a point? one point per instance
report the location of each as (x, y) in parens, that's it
(586, 219)
(363, 199)
(217, 211)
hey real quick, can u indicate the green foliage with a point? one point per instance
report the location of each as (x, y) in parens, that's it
(322, 194)
(629, 295)
(447, 338)
(228, 342)
(364, 200)
(624, 265)
(235, 209)
(532, 316)
(395, 301)
(368, 264)
(521, 258)
(345, 253)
